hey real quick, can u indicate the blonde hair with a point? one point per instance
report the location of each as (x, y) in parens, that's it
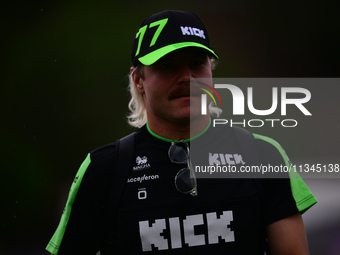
(138, 117)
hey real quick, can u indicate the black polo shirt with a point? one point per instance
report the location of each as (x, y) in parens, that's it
(229, 215)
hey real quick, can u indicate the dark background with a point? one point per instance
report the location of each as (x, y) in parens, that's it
(63, 92)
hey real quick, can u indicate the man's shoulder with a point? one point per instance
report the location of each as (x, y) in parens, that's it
(268, 143)
(104, 150)
(268, 147)
(108, 151)
(271, 149)
(247, 136)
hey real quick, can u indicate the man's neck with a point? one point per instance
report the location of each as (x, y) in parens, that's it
(180, 129)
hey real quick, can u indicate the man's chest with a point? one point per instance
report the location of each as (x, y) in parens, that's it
(153, 213)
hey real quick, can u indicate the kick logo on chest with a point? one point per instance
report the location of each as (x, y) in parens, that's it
(189, 231)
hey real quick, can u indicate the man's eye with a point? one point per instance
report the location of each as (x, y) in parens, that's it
(166, 66)
(198, 62)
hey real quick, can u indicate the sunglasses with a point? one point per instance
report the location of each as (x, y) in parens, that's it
(185, 180)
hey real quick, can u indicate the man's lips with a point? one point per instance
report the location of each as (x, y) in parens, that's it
(185, 93)
(184, 96)
(180, 96)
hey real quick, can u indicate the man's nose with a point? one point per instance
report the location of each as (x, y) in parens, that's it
(185, 73)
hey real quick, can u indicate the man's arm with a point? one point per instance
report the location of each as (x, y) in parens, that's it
(288, 236)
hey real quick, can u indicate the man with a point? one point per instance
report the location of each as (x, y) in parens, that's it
(162, 208)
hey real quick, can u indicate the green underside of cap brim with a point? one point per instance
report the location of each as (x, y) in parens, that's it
(152, 57)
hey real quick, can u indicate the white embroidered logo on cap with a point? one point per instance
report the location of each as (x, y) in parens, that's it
(193, 31)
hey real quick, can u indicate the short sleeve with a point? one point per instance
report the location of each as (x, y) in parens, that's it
(56, 240)
(81, 228)
(283, 196)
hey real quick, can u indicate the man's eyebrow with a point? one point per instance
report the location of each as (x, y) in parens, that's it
(198, 54)
(163, 59)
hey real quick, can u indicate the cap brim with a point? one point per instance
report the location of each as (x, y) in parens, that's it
(152, 57)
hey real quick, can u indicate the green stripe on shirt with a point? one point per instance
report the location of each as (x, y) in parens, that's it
(54, 244)
(303, 197)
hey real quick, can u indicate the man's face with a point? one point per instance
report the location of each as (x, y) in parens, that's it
(165, 85)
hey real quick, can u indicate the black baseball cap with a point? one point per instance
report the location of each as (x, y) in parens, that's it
(166, 31)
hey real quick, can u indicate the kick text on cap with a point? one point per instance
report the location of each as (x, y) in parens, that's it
(193, 31)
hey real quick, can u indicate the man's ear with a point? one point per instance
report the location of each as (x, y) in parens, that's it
(137, 79)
